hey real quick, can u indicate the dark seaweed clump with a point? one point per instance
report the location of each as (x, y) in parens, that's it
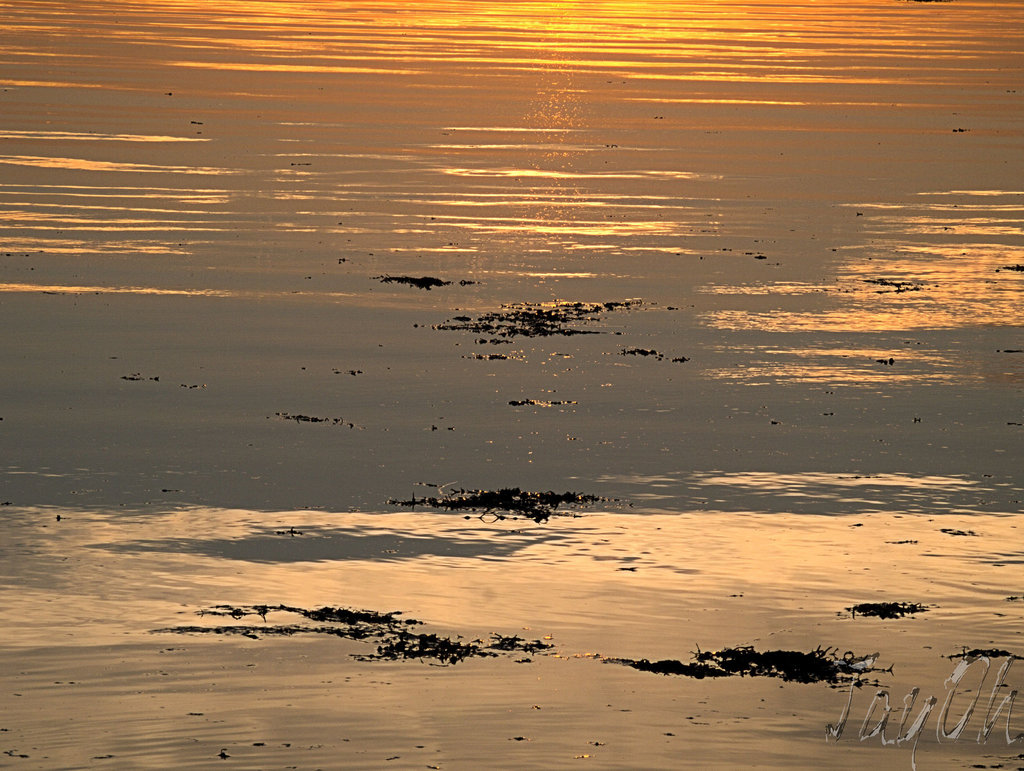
(423, 282)
(539, 403)
(899, 286)
(651, 352)
(313, 419)
(509, 501)
(988, 653)
(822, 665)
(536, 319)
(886, 609)
(395, 639)
(1018, 268)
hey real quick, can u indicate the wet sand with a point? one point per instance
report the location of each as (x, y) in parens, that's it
(267, 271)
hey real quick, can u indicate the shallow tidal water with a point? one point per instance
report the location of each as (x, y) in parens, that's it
(785, 245)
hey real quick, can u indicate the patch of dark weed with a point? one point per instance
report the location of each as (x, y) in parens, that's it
(503, 503)
(822, 665)
(898, 286)
(886, 609)
(988, 653)
(536, 319)
(395, 639)
(423, 282)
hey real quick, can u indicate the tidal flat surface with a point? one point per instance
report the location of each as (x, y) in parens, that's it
(744, 280)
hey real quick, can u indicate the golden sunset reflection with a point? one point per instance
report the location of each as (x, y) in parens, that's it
(739, 283)
(930, 265)
(868, 318)
(569, 57)
(765, 366)
(92, 137)
(60, 289)
(139, 290)
(613, 38)
(86, 164)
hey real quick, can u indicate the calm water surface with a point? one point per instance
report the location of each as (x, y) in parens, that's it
(815, 401)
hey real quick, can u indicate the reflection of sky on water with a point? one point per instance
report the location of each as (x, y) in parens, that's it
(325, 544)
(924, 265)
(196, 202)
(767, 365)
(561, 150)
(827, 493)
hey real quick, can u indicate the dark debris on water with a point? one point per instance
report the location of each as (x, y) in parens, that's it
(314, 419)
(988, 653)
(536, 319)
(423, 282)
(396, 637)
(540, 402)
(503, 503)
(651, 352)
(886, 609)
(822, 665)
(898, 286)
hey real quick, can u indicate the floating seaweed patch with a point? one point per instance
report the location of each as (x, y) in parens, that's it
(1017, 268)
(886, 609)
(536, 319)
(988, 653)
(394, 636)
(898, 286)
(313, 419)
(651, 352)
(822, 665)
(423, 282)
(502, 504)
(954, 531)
(642, 352)
(539, 403)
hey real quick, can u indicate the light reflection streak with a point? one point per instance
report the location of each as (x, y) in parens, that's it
(139, 290)
(743, 41)
(21, 83)
(515, 129)
(563, 226)
(58, 289)
(83, 164)
(534, 160)
(751, 101)
(946, 254)
(94, 246)
(97, 137)
(764, 365)
(310, 68)
(553, 174)
(825, 492)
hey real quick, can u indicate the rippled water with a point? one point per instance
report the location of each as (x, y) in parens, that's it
(815, 400)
